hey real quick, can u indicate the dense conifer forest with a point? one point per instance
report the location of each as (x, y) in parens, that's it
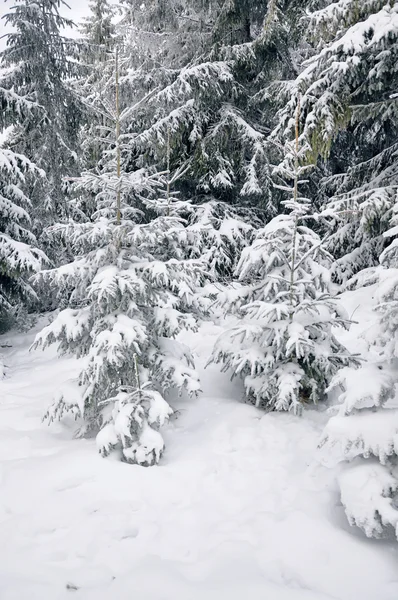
(197, 187)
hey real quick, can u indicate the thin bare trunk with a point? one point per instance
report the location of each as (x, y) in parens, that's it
(168, 173)
(137, 374)
(118, 170)
(295, 197)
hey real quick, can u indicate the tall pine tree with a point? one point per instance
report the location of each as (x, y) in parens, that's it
(37, 63)
(349, 119)
(19, 252)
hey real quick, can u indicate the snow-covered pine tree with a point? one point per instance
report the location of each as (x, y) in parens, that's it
(363, 436)
(350, 84)
(220, 230)
(193, 106)
(284, 346)
(19, 254)
(125, 299)
(98, 31)
(36, 65)
(19, 182)
(130, 291)
(97, 43)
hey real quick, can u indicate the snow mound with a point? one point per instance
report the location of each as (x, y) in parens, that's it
(232, 510)
(366, 490)
(365, 434)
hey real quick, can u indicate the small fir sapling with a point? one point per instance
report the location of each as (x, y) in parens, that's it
(129, 291)
(284, 346)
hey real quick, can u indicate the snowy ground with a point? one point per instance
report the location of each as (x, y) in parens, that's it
(237, 508)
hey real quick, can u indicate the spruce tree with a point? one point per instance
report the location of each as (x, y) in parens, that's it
(284, 346)
(19, 252)
(37, 63)
(363, 434)
(20, 255)
(130, 290)
(98, 31)
(349, 120)
(98, 45)
(129, 293)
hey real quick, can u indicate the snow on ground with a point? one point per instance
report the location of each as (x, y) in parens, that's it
(237, 507)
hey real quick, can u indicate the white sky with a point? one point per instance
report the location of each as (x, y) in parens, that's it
(78, 9)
